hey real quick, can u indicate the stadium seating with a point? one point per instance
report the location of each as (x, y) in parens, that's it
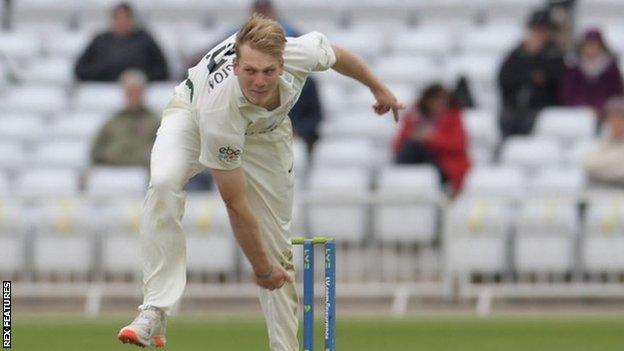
(45, 182)
(23, 128)
(569, 126)
(66, 154)
(397, 221)
(76, 127)
(12, 155)
(103, 98)
(435, 41)
(545, 236)
(482, 129)
(342, 190)
(35, 99)
(476, 235)
(531, 153)
(505, 182)
(604, 236)
(345, 153)
(117, 181)
(53, 72)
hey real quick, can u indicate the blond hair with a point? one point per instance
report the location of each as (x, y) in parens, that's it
(263, 34)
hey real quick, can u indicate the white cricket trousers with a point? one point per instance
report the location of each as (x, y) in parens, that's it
(268, 164)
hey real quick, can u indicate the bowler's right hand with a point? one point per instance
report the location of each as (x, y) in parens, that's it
(275, 280)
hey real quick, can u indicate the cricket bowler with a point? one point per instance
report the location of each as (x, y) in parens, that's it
(231, 116)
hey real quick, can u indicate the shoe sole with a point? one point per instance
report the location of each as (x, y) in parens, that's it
(129, 336)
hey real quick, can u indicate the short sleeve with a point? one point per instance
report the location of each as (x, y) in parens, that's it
(311, 52)
(222, 142)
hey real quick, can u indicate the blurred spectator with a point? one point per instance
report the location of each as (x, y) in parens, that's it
(127, 138)
(266, 8)
(432, 132)
(605, 162)
(594, 77)
(307, 114)
(124, 46)
(530, 76)
(563, 14)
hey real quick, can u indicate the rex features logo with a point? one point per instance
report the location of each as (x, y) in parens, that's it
(229, 154)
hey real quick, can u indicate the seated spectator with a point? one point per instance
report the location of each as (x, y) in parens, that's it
(128, 137)
(530, 76)
(432, 132)
(124, 46)
(604, 163)
(594, 77)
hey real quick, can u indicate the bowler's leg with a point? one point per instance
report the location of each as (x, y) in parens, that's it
(163, 247)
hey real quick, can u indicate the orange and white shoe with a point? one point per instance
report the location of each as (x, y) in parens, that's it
(147, 329)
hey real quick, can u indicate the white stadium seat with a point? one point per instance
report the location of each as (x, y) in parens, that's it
(604, 236)
(13, 226)
(416, 70)
(158, 96)
(367, 43)
(62, 216)
(345, 153)
(483, 133)
(206, 214)
(13, 253)
(211, 253)
(47, 182)
(544, 241)
(54, 72)
(112, 181)
(12, 155)
(5, 184)
(567, 125)
(21, 128)
(428, 40)
(98, 97)
(340, 213)
(63, 254)
(35, 99)
(406, 221)
(300, 154)
(121, 254)
(360, 125)
(574, 156)
(77, 127)
(475, 236)
(119, 215)
(490, 39)
(531, 153)
(19, 46)
(66, 44)
(67, 154)
(508, 182)
(557, 182)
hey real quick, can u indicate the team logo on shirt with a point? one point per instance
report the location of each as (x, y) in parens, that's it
(229, 154)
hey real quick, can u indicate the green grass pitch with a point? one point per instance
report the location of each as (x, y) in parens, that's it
(604, 333)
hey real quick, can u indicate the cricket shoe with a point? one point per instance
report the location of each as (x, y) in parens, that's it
(147, 329)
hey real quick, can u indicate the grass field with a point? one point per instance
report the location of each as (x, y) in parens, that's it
(355, 334)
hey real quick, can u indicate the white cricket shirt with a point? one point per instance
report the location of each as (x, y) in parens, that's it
(224, 115)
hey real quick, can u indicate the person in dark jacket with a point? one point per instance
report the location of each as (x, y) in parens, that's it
(594, 77)
(530, 76)
(432, 132)
(307, 114)
(123, 47)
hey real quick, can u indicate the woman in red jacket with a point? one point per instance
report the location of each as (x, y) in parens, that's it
(432, 132)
